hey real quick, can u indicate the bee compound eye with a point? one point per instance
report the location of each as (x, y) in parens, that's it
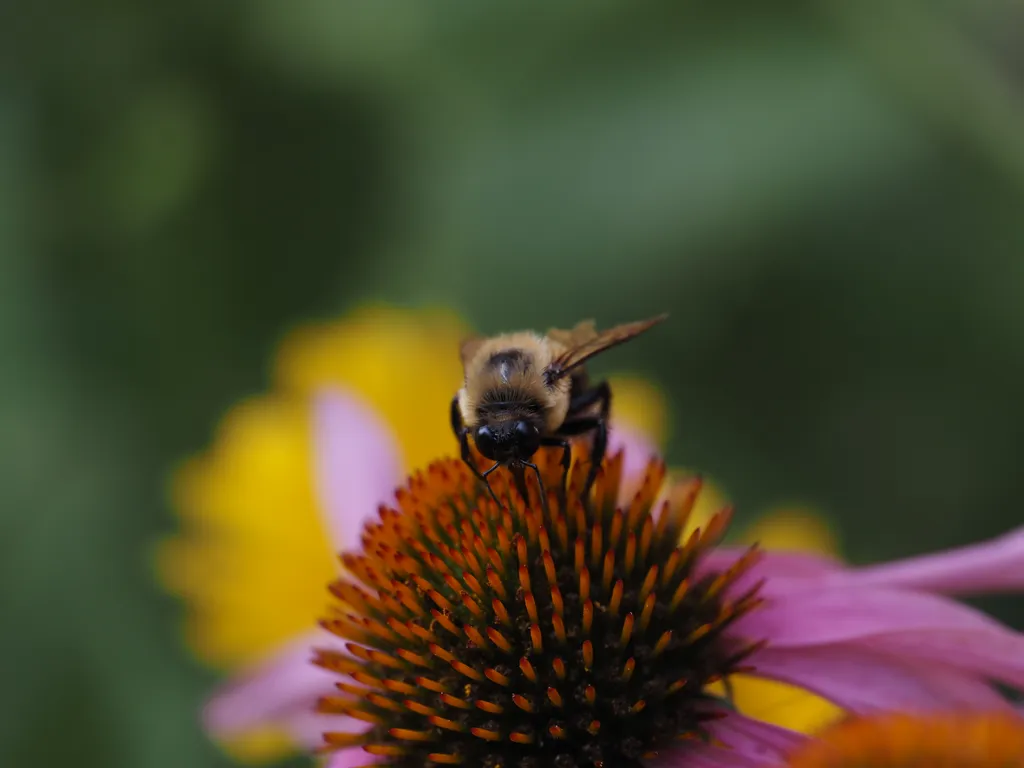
(524, 429)
(527, 438)
(484, 439)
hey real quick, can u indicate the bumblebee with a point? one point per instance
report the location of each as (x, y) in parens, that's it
(525, 390)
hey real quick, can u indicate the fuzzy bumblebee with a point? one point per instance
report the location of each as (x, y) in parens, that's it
(539, 633)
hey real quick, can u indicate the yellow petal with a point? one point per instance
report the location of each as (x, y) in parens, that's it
(253, 536)
(404, 364)
(783, 705)
(261, 746)
(640, 405)
(793, 528)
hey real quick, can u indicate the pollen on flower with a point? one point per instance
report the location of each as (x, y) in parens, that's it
(909, 741)
(539, 633)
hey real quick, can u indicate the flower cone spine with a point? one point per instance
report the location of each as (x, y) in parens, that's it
(542, 632)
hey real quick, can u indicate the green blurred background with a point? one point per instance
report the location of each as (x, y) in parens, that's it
(829, 198)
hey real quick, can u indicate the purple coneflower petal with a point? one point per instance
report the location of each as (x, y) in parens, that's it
(909, 625)
(992, 566)
(357, 464)
(833, 616)
(781, 572)
(747, 743)
(754, 738)
(350, 758)
(639, 449)
(993, 655)
(863, 679)
(279, 692)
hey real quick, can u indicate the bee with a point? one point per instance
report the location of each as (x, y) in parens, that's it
(523, 390)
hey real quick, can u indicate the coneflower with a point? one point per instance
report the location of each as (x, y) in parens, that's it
(545, 632)
(541, 633)
(240, 553)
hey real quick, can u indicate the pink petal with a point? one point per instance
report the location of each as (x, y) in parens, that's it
(910, 625)
(818, 617)
(862, 679)
(639, 448)
(282, 692)
(775, 564)
(993, 566)
(748, 743)
(755, 739)
(357, 464)
(351, 758)
(996, 656)
(782, 572)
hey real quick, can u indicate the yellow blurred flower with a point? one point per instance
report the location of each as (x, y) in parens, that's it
(255, 533)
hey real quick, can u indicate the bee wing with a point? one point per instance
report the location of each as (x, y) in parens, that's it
(587, 344)
(584, 331)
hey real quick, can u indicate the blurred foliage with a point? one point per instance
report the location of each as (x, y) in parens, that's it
(827, 196)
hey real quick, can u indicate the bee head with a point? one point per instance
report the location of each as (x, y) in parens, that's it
(506, 441)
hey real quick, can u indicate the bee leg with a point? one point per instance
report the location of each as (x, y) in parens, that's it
(558, 442)
(601, 394)
(596, 455)
(462, 433)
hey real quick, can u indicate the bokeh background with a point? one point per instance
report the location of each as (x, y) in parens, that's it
(828, 197)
